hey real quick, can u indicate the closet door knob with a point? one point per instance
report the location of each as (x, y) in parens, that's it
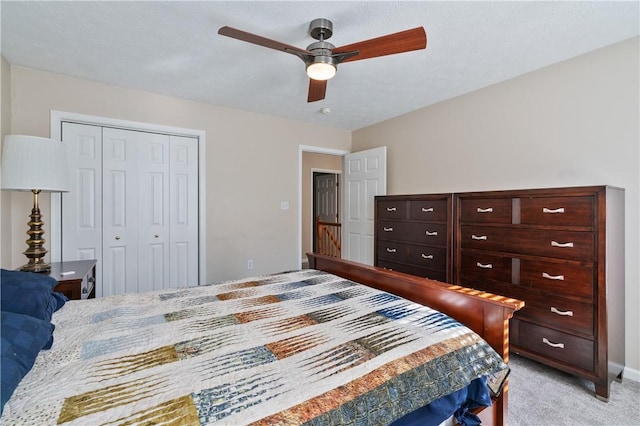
(117, 237)
(156, 236)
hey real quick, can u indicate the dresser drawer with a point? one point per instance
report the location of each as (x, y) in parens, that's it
(563, 279)
(416, 232)
(392, 250)
(428, 257)
(392, 209)
(563, 314)
(485, 210)
(432, 274)
(426, 210)
(573, 245)
(480, 266)
(557, 211)
(554, 344)
(434, 234)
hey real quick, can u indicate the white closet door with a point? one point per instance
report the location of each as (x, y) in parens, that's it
(133, 206)
(183, 216)
(120, 211)
(153, 211)
(82, 206)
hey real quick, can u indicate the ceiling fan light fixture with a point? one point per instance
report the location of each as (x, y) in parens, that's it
(322, 68)
(321, 71)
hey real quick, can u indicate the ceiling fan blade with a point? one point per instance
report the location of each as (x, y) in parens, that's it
(403, 41)
(317, 90)
(261, 41)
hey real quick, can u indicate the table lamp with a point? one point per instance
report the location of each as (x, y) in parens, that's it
(34, 164)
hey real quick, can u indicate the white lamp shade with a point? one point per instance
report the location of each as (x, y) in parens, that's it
(30, 162)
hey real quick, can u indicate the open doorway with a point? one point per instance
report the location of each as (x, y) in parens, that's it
(315, 161)
(363, 176)
(326, 213)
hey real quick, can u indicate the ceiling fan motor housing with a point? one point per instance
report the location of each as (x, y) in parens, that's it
(321, 29)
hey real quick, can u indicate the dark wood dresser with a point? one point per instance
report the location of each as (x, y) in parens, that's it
(413, 234)
(561, 250)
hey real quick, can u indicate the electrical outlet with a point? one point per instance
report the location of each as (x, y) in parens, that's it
(249, 264)
(284, 205)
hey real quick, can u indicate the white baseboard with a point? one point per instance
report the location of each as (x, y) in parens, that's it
(631, 374)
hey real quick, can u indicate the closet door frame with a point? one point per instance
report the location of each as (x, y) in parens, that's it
(58, 117)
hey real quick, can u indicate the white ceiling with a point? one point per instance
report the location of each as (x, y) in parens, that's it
(172, 48)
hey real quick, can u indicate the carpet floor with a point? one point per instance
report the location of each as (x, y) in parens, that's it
(540, 395)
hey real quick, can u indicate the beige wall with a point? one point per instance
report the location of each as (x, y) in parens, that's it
(573, 123)
(313, 161)
(251, 165)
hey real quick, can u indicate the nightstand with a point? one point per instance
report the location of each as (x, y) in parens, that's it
(76, 279)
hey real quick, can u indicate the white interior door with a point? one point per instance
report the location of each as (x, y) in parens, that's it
(365, 177)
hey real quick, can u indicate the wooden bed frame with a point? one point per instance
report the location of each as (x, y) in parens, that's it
(485, 313)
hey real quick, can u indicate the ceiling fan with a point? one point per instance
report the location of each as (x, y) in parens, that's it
(322, 58)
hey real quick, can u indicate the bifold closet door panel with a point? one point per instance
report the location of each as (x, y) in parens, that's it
(152, 176)
(120, 211)
(82, 206)
(183, 211)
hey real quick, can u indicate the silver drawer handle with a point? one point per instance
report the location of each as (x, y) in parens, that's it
(553, 277)
(484, 265)
(389, 229)
(427, 256)
(563, 245)
(487, 210)
(391, 209)
(478, 237)
(430, 209)
(391, 250)
(117, 237)
(563, 313)
(431, 234)
(546, 210)
(553, 345)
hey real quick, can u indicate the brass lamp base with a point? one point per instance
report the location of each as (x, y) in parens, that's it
(36, 267)
(36, 251)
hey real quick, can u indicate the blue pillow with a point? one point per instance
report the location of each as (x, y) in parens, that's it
(21, 276)
(22, 339)
(30, 294)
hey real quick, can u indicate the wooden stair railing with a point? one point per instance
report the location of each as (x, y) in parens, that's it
(329, 238)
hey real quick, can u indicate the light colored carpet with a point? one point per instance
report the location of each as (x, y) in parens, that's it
(540, 395)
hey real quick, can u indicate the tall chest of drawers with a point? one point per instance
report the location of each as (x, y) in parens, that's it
(560, 250)
(414, 234)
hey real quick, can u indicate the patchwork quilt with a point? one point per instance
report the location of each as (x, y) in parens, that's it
(292, 348)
